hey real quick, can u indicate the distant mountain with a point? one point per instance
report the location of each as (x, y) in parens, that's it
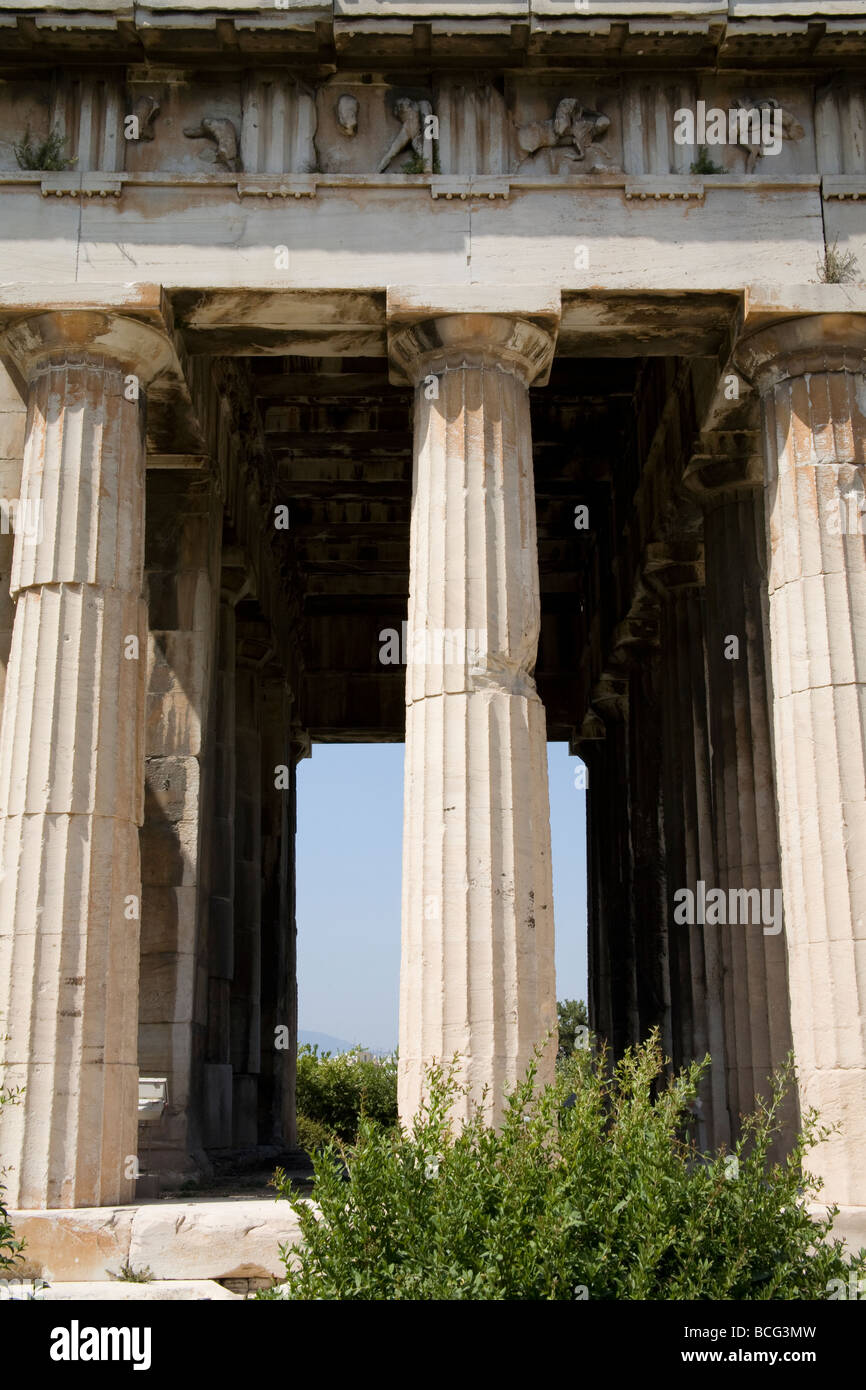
(326, 1043)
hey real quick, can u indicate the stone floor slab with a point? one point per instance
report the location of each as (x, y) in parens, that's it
(80, 1243)
(212, 1240)
(157, 1291)
(226, 1239)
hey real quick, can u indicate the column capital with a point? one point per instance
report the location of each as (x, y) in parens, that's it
(672, 566)
(806, 344)
(434, 328)
(608, 701)
(631, 641)
(32, 341)
(725, 464)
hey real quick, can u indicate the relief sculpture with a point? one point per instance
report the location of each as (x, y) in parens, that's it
(568, 141)
(224, 135)
(417, 129)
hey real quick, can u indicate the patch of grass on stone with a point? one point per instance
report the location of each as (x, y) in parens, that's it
(704, 165)
(128, 1275)
(838, 267)
(46, 154)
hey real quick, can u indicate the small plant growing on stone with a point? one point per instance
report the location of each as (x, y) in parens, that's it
(589, 1189)
(704, 165)
(415, 165)
(128, 1275)
(837, 267)
(46, 154)
(10, 1246)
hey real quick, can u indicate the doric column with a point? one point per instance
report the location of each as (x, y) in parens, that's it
(631, 889)
(677, 571)
(725, 478)
(217, 1118)
(279, 973)
(613, 985)
(477, 973)
(12, 421)
(71, 763)
(650, 929)
(811, 373)
(246, 1026)
(184, 523)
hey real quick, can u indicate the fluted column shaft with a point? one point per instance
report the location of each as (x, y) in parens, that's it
(690, 853)
(811, 373)
(477, 972)
(246, 1024)
(12, 421)
(71, 783)
(756, 984)
(613, 970)
(649, 940)
(277, 1082)
(217, 1128)
(726, 479)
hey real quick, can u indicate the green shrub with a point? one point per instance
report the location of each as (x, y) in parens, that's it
(571, 1015)
(335, 1091)
(590, 1189)
(312, 1134)
(10, 1248)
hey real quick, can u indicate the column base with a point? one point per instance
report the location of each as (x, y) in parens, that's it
(849, 1225)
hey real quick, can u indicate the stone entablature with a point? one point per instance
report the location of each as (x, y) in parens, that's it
(642, 26)
(154, 124)
(584, 211)
(251, 159)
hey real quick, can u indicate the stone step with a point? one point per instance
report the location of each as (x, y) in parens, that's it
(194, 1240)
(114, 1291)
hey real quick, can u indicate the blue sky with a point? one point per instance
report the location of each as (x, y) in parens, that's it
(350, 811)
